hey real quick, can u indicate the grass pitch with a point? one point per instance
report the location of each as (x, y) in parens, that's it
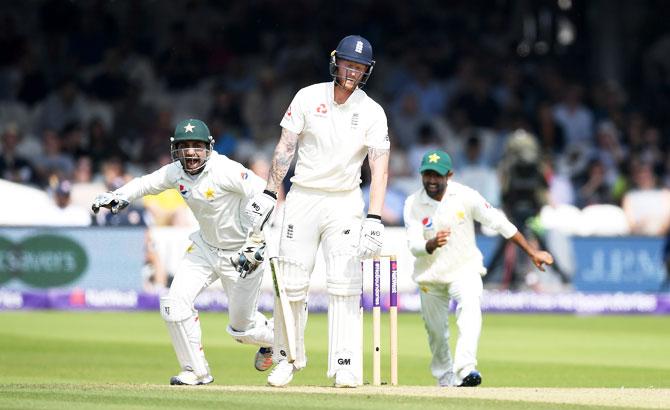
(83, 360)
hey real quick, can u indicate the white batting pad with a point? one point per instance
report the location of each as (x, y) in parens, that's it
(344, 337)
(280, 350)
(184, 329)
(261, 334)
(294, 276)
(344, 275)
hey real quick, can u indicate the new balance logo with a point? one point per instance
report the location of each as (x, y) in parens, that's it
(167, 310)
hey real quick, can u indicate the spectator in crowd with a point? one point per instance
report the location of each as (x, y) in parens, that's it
(63, 106)
(548, 130)
(13, 167)
(596, 189)
(609, 149)
(263, 105)
(54, 162)
(475, 173)
(647, 206)
(575, 117)
(66, 213)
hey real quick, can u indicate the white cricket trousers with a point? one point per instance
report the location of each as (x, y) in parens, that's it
(467, 292)
(203, 265)
(313, 218)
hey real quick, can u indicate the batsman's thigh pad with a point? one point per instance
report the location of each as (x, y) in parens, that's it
(294, 277)
(261, 333)
(185, 333)
(344, 337)
(344, 274)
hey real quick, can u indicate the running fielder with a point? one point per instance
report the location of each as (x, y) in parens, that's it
(334, 126)
(216, 189)
(439, 220)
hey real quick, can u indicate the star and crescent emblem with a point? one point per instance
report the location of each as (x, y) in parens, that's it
(433, 158)
(189, 127)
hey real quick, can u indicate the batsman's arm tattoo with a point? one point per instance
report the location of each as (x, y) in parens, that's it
(376, 153)
(282, 158)
(378, 158)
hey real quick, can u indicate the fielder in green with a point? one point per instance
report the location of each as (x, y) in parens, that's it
(439, 219)
(217, 190)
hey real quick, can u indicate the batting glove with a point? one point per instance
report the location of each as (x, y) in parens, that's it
(110, 200)
(372, 237)
(259, 209)
(249, 256)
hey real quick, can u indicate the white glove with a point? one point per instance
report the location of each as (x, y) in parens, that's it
(259, 209)
(110, 200)
(372, 237)
(250, 255)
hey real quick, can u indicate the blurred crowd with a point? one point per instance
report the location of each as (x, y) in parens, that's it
(90, 93)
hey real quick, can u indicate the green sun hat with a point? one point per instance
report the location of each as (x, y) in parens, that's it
(436, 160)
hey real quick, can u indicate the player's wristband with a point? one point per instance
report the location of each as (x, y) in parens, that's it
(373, 216)
(270, 193)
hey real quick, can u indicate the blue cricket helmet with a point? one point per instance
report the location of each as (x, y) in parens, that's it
(353, 48)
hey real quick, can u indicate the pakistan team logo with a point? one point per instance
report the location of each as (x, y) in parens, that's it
(42, 261)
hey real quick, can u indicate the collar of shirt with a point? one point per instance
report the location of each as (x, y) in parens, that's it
(353, 98)
(426, 200)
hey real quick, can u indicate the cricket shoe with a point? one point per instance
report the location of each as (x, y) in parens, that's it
(282, 374)
(263, 359)
(345, 378)
(474, 378)
(447, 380)
(188, 378)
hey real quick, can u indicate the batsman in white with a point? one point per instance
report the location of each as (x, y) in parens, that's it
(334, 125)
(439, 220)
(217, 190)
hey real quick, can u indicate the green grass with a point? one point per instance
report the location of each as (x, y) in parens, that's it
(115, 360)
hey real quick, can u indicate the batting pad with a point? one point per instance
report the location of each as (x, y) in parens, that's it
(344, 276)
(344, 337)
(184, 329)
(294, 276)
(261, 334)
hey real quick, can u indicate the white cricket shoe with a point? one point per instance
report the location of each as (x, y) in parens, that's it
(345, 378)
(282, 374)
(188, 378)
(447, 380)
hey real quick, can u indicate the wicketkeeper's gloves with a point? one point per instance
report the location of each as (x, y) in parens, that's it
(249, 256)
(110, 200)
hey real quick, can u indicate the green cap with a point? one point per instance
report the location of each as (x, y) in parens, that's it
(436, 160)
(191, 130)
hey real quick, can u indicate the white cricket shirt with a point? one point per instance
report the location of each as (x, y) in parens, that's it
(459, 208)
(217, 196)
(333, 138)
